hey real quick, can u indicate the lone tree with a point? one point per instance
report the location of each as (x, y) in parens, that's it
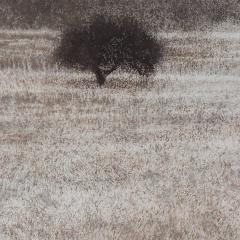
(105, 44)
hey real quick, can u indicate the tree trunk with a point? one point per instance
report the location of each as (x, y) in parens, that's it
(99, 75)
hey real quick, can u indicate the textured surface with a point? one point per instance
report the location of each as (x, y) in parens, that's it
(130, 160)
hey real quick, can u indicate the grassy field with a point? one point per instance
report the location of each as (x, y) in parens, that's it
(135, 159)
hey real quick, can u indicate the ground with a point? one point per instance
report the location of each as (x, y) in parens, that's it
(154, 158)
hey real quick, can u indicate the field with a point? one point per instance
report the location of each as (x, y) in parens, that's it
(136, 159)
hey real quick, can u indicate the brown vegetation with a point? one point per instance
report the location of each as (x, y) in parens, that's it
(154, 13)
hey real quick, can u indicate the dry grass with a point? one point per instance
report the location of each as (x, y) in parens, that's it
(130, 160)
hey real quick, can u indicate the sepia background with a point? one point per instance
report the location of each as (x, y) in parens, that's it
(157, 13)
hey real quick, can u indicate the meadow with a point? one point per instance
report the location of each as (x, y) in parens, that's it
(154, 158)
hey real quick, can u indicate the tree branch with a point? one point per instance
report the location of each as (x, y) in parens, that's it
(100, 77)
(107, 72)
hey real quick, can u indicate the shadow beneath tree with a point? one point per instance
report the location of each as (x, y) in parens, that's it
(114, 81)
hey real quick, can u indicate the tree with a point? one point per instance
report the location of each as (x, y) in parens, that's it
(106, 44)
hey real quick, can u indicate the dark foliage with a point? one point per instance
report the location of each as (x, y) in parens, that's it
(105, 44)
